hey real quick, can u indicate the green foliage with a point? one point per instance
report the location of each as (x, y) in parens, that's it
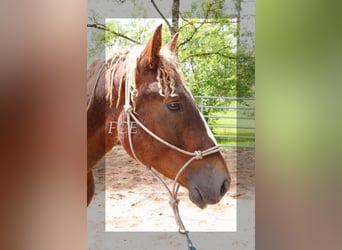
(246, 74)
(208, 49)
(138, 30)
(209, 57)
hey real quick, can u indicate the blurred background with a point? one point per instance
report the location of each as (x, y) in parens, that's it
(42, 109)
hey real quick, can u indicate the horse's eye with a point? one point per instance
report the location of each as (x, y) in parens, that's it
(174, 106)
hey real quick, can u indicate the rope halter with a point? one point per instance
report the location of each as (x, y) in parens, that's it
(196, 155)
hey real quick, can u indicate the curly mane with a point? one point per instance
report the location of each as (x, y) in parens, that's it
(127, 61)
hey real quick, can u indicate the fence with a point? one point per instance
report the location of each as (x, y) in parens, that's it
(232, 119)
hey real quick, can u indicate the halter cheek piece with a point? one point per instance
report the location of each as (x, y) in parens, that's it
(196, 155)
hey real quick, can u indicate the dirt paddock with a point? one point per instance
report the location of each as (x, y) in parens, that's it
(129, 199)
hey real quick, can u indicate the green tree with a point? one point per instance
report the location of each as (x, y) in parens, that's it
(209, 49)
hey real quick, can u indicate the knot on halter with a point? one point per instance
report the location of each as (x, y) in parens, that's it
(128, 107)
(173, 202)
(198, 155)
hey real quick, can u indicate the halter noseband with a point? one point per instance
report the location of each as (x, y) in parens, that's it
(196, 155)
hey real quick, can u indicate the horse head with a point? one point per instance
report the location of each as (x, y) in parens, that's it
(162, 102)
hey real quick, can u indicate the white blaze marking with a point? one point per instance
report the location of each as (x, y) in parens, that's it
(210, 134)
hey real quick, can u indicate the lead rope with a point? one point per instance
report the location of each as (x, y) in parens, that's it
(197, 155)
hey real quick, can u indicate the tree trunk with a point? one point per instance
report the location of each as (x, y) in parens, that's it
(175, 17)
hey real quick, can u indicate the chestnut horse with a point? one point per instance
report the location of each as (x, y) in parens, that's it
(168, 128)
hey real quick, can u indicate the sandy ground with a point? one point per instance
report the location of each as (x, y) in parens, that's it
(129, 199)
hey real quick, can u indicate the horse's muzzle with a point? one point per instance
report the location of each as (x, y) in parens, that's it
(208, 186)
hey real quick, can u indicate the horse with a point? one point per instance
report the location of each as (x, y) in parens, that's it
(138, 98)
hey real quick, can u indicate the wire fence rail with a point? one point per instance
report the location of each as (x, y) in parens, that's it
(231, 119)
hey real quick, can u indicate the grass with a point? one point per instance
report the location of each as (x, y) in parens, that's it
(234, 142)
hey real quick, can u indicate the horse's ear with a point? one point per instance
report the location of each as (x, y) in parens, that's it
(150, 55)
(172, 44)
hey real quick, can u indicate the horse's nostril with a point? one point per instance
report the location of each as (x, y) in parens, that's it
(224, 187)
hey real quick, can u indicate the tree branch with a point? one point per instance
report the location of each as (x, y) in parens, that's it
(209, 54)
(162, 15)
(192, 35)
(197, 28)
(186, 21)
(215, 53)
(103, 27)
